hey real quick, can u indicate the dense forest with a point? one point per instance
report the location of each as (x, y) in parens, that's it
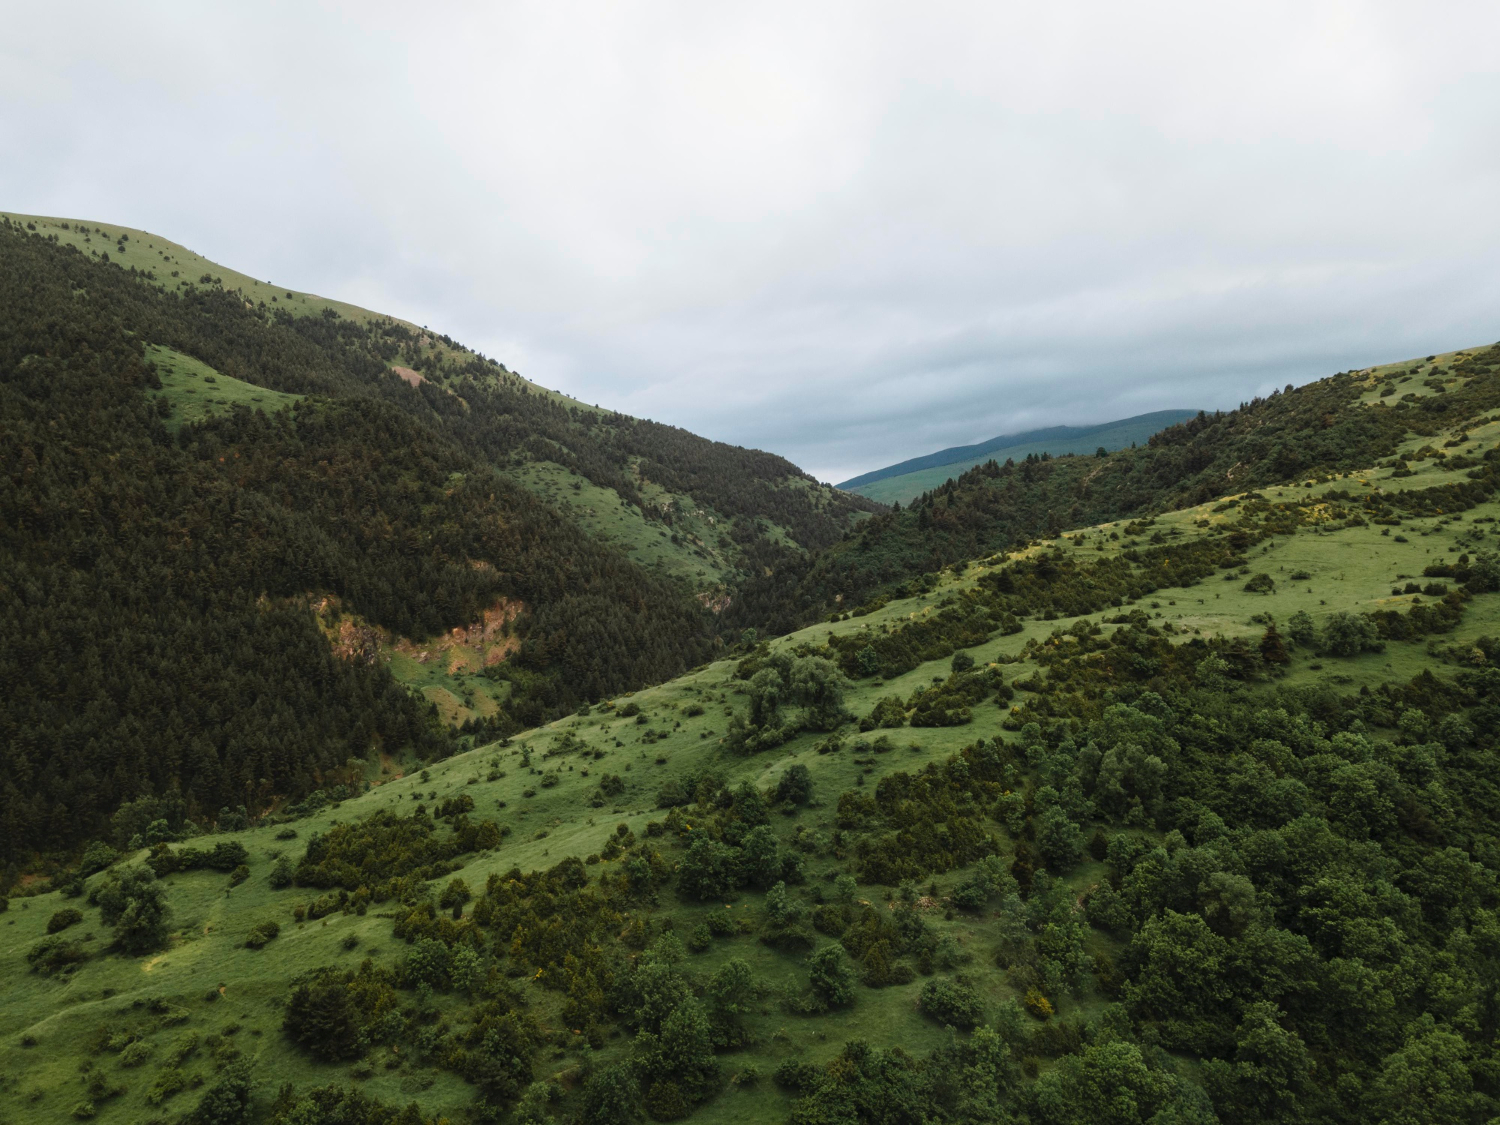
(155, 640)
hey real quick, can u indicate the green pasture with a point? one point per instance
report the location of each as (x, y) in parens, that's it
(195, 391)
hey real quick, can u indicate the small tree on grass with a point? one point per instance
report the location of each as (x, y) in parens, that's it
(1301, 629)
(1349, 634)
(831, 977)
(610, 1097)
(952, 1002)
(135, 904)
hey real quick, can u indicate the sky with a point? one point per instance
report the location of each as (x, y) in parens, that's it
(850, 233)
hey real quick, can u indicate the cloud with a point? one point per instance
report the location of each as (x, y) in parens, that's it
(850, 233)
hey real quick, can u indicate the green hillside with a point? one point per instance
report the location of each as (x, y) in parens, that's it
(205, 488)
(902, 483)
(1332, 425)
(1182, 818)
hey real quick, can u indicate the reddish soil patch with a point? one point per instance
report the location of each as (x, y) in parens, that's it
(412, 377)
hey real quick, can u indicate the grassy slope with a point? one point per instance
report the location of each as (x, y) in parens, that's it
(1351, 568)
(175, 267)
(196, 391)
(907, 486)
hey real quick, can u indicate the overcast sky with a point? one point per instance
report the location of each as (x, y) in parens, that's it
(848, 233)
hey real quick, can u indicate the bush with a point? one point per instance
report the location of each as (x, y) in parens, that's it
(329, 1010)
(261, 934)
(63, 919)
(135, 1054)
(952, 1002)
(831, 979)
(1037, 1004)
(796, 1076)
(795, 785)
(54, 955)
(609, 1096)
(1260, 584)
(98, 856)
(226, 1102)
(281, 873)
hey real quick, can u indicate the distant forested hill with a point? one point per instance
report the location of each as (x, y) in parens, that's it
(185, 468)
(908, 479)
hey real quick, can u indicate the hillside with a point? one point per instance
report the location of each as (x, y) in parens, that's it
(193, 468)
(1190, 816)
(1346, 421)
(903, 482)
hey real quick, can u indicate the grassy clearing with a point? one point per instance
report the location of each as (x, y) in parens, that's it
(696, 548)
(195, 391)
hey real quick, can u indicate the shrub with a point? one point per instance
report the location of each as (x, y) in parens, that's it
(700, 939)
(831, 979)
(281, 873)
(135, 1054)
(952, 1002)
(1301, 629)
(1037, 1004)
(261, 934)
(329, 1010)
(1260, 584)
(63, 919)
(54, 955)
(169, 1082)
(98, 856)
(609, 1096)
(795, 785)
(797, 1076)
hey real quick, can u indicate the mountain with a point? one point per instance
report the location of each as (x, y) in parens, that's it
(902, 482)
(239, 524)
(1188, 814)
(1160, 780)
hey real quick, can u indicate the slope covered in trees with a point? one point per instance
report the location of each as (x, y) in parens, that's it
(155, 636)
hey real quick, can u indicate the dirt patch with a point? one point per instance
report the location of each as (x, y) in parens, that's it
(486, 642)
(715, 601)
(412, 377)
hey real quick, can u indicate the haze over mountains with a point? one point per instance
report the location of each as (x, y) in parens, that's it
(902, 482)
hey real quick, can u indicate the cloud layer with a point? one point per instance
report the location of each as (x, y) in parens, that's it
(850, 233)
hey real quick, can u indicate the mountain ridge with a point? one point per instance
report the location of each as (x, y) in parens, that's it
(908, 479)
